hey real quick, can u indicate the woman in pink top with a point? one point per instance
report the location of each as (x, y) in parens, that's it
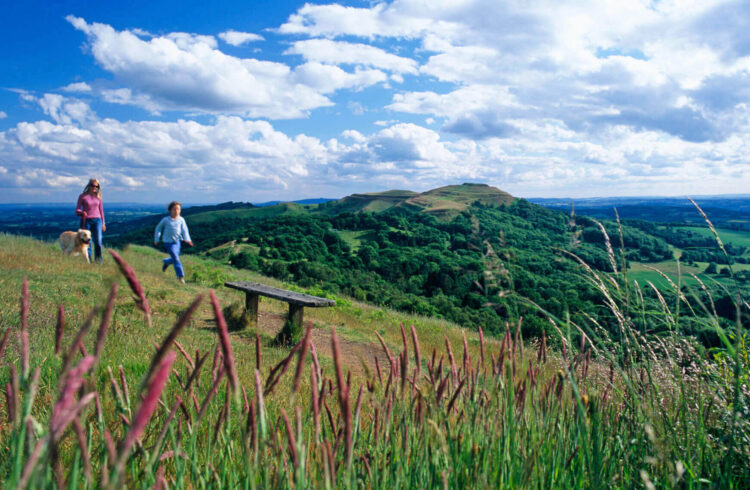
(91, 211)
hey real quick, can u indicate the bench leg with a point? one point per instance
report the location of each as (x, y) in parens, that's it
(291, 333)
(250, 317)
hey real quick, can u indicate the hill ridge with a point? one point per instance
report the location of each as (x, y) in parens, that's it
(444, 202)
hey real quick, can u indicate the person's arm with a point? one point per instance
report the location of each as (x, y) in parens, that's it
(79, 206)
(101, 213)
(157, 232)
(186, 233)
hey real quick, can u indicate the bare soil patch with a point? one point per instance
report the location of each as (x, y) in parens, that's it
(353, 354)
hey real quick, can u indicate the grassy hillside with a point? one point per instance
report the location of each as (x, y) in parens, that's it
(56, 280)
(430, 409)
(374, 202)
(445, 203)
(287, 208)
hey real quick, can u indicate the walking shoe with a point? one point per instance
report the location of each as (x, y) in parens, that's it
(164, 266)
(181, 280)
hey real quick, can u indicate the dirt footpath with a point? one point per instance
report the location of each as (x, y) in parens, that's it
(353, 354)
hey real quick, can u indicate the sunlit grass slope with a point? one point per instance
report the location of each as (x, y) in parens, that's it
(129, 406)
(56, 280)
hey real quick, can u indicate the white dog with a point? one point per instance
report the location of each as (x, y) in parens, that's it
(75, 242)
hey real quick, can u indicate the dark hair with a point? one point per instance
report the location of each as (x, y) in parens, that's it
(173, 204)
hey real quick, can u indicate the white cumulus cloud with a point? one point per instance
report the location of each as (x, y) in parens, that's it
(236, 38)
(329, 78)
(591, 64)
(340, 52)
(539, 98)
(82, 87)
(187, 72)
(216, 158)
(235, 158)
(62, 110)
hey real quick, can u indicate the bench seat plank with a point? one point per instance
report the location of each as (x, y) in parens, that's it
(291, 297)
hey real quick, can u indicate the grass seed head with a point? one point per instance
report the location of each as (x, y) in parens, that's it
(66, 409)
(166, 344)
(25, 352)
(257, 352)
(481, 346)
(10, 403)
(82, 444)
(417, 352)
(184, 353)
(147, 407)
(405, 354)
(226, 344)
(106, 317)
(135, 284)
(291, 440)
(301, 359)
(24, 304)
(467, 356)
(59, 329)
(450, 357)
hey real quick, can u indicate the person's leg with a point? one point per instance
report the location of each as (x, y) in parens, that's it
(96, 238)
(168, 261)
(94, 225)
(174, 254)
(90, 226)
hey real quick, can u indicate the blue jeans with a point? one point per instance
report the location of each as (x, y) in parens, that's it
(173, 249)
(95, 226)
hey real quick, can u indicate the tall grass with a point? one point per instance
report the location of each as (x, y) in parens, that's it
(622, 410)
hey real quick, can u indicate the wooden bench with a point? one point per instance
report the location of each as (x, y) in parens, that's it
(292, 330)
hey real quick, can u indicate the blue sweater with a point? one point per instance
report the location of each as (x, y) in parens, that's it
(172, 230)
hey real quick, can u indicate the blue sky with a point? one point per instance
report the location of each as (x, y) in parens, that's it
(257, 101)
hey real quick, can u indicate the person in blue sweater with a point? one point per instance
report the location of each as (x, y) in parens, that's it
(172, 231)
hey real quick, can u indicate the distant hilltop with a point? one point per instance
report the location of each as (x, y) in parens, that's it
(443, 202)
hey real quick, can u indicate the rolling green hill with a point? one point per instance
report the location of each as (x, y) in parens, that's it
(374, 202)
(444, 203)
(287, 208)
(468, 253)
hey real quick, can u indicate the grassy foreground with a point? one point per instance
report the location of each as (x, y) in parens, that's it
(90, 402)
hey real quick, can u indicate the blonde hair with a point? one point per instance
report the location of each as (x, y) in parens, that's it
(90, 184)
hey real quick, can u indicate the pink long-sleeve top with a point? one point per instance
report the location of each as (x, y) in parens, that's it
(92, 205)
